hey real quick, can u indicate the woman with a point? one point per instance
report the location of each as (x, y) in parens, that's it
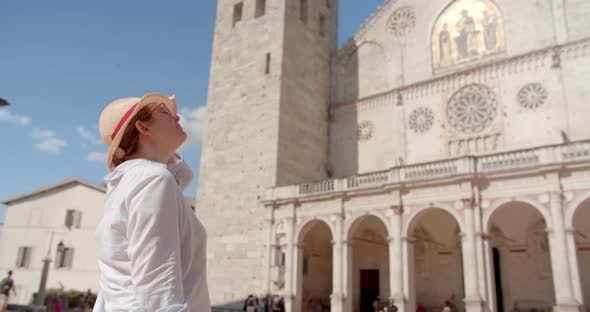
(151, 245)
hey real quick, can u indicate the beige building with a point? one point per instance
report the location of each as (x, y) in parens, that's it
(58, 221)
(442, 154)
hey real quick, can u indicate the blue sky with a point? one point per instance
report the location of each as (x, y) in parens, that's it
(62, 61)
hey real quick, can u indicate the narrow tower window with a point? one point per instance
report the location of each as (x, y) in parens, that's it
(260, 8)
(322, 25)
(303, 12)
(238, 9)
(328, 4)
(267, 65)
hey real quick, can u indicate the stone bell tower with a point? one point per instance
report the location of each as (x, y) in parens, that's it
(267, 125)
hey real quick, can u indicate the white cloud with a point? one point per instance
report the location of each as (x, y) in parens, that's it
(95, 156)
(51, 145)
(89, 137)
(42, 134)
(193, 122)
(48, 141)
(7, 116)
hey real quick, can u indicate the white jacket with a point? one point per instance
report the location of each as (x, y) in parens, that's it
(152, 248)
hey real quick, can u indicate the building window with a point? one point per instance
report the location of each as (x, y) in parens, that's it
(328, 4)
(322, 25)
(267, 65)
(305, 265)
(64, 258)
(260, 8)
(73, 219)
(23, 258)
(282, 259)
(303, 10)
(238, 10)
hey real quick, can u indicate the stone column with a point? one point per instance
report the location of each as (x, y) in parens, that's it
(472, 299)
(409, 278)
(562, 282)
(298, 276)
(268, 255)
(347, 276)
(574, 266)
(289, 265)
(337, 297)
(480, 251)
(489, 272)
(395, 259)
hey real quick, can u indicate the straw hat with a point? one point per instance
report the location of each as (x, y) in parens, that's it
(116, 117)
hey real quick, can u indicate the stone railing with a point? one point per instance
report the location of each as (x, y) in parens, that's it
(469, 165)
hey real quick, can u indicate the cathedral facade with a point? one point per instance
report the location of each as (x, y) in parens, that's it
(442, 154)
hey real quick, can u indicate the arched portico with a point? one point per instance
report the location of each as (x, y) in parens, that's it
(368, 265)
(314, 265)
(520, 257)
(435, 262)
(579, 236)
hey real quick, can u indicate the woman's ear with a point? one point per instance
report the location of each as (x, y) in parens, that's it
(141, 127)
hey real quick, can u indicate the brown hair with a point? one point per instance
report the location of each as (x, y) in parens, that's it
(130, 140)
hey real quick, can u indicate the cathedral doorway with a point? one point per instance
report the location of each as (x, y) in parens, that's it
(370, 262)
(582, 239)
(520, 258)
(435, 261)
(315, 265)
(369, 288)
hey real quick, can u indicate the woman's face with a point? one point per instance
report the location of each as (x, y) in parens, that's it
(166, 132)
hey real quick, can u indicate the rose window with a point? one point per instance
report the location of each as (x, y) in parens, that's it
(401, 21)
(472, 109)
(365, 131)
(421, 120)
(532, 96)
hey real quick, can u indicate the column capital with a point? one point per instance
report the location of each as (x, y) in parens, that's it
(336, 242)
(468, 203)
(408, 239)
(398, 210)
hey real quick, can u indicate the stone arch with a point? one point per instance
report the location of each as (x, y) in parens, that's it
(368, 263)
(414, 216)
(488, 213)
(349, 223)
(485, 16)
(303, 227)
(519, 254)
(580, 243)
(313, 261)
(573, 208)
(434, 257)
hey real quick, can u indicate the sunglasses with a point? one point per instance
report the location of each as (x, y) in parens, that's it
(164, 110)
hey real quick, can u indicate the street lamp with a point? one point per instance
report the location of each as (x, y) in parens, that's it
(39, 300)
